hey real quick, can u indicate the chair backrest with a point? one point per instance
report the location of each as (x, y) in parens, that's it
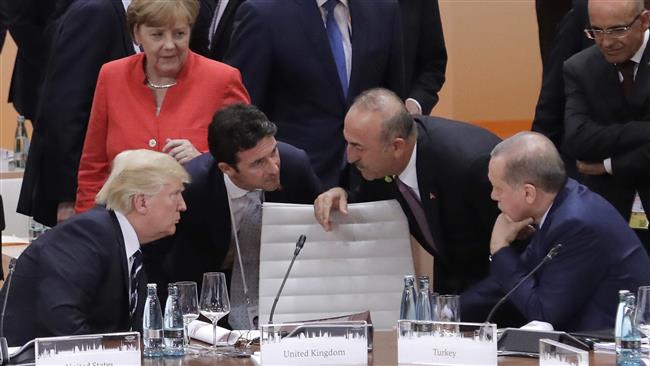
(360, 265)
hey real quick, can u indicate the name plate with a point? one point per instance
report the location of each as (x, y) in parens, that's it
(327, 343)
(114, 349)
(446, 343)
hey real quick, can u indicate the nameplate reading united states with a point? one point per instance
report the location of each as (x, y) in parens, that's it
(114, 349)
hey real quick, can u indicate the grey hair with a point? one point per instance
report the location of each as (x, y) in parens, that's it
(531, 158)
(397, 122)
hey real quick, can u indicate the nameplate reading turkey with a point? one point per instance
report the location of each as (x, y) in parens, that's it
(336, 343)
(114, 349)
(446, 343)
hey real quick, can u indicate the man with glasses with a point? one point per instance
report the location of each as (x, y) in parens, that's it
(607, 114)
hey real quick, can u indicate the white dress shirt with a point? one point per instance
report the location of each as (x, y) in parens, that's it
(131, 242)
(410, 174)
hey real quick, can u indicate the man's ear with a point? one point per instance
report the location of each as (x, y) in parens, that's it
(530, 193)
(226, 169)
(399, 146)
(139, 203)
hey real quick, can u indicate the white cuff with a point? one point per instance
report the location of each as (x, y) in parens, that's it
(416, 103)
(608, 166)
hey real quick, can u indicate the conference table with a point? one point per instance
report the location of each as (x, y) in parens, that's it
(384, 354)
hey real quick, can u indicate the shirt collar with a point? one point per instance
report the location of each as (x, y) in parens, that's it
(541, 222)
(322, 2)
(409, 175)
(131, 242)
(233, 190)
(639, 53)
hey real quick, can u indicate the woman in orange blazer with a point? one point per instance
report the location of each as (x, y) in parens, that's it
(162, 99)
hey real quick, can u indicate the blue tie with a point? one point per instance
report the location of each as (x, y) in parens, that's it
(336, 44)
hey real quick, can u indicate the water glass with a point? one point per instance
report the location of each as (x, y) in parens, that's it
(448, 308)
(642, 315)
(189, 305)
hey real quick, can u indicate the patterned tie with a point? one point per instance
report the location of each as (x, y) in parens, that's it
(418, 212)
(136, 269)
(336, 44)
(249, 232)
(627, 71)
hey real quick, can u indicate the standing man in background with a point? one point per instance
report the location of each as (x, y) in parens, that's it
(304, 61)
(425, 54)
(607, 116)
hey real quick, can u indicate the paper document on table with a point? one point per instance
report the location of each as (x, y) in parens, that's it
(359, 265)
(203, 332)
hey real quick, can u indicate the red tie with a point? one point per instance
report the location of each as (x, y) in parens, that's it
(627, 70)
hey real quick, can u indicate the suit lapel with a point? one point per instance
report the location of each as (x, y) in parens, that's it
(228, 13)
(126, 32)
(640, 88)
(359, 39)
(311, 21)
(613, 92)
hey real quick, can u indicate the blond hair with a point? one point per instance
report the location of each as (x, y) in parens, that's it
(138, 172)
(158, 13)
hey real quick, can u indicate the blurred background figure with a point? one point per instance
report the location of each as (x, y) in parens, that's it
(304, 62)
(425, 54)
(549, 16)
(87, 34)
(162, 99)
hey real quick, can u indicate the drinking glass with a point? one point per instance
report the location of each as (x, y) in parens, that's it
(447, 309)
(214, 303)
(189, 303)
(642, 315)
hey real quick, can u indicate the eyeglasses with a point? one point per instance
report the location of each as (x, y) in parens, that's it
(614, 32)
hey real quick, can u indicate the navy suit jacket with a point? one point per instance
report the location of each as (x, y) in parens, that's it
(600, 123)
(282, 51)
(452, 161)
(203, 235)
(72, 280)
(66, 99)
(578, 289)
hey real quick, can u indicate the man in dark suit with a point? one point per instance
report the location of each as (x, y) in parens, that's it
(436, 169)
(303, 75)
(28, 22)
(577, 289)
(50, 182)
(85, 276)
(425, 54)
(244, 158)
(549, 112)
(607, 113)
(222, 20)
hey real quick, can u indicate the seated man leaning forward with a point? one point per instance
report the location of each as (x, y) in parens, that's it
(86, 275)
(245, 167)
(577, 289)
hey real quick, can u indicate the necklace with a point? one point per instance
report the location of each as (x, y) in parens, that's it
(159, 86)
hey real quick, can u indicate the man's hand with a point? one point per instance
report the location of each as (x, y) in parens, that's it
(64, 211)
(335, 198)
(505, 231)
(181, 149)
(591, 168)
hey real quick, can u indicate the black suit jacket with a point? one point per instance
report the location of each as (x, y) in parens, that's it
(452, 161)
(601, 123)
(425, 54)
(282, 51)
(223, 33)
(67, 94)
(203, 235)
(28, 22)
(72, 280)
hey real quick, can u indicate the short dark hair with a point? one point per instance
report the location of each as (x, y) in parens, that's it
(236, 128)
(398, 122)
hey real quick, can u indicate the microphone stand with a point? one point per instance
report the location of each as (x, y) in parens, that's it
(299, 245)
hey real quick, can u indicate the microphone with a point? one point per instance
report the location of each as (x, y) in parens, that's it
(4, 351)
(551, 254)
(299, 245)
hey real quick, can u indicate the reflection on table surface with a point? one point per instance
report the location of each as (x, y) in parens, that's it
(384, 354)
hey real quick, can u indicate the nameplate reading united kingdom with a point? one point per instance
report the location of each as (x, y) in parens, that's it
(341, 343)
(446, 343)
(114, 349)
